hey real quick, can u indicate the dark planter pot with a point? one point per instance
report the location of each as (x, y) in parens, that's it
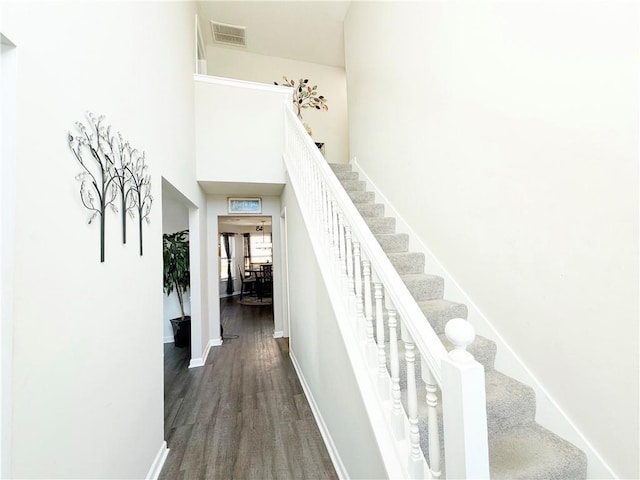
(181, 331)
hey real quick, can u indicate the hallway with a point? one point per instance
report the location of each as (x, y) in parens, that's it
(244, 414)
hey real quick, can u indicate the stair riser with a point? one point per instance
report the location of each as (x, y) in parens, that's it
(438, 317)
(345, 176)
(371, 210)
(381, 225)
(354, 185)
(340, 167)
(406, 263)
(396, 243)
(361, 197)
(424, 287)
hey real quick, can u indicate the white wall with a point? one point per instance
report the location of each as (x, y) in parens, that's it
(87, 362)
(506, 134)
(239, 131)
(317, 345)
(330, 127)
(7, 208)
(175, 218)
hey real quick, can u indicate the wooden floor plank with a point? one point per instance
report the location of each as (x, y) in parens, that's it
(244, 414)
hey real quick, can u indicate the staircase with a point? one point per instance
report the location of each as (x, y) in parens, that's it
(519, 448)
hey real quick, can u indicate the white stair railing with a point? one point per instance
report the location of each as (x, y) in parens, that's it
(378, 303)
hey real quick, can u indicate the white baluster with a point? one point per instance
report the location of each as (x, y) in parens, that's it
(357, 276)
(383, 384)
(326, 232)
(349, 244)
(312, 196)
(336, 234)
(332, 228)
(464, 410)
(317, 181)
(416, 459)
(432, 421)
(342, 252)
(368, 313)
(396, 394)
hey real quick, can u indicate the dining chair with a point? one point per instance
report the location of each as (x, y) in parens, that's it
(248, 284)
(266, 280)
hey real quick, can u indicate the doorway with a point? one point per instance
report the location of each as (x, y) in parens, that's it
(246, 259)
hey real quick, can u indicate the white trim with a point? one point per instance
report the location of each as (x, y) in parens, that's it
(196, 362)
(168, 339)
(548, 413)
(201, 361)
(341, 471)
(8, 68)
(284, 259)
(232, 82)
(278, 334)
(158, 462)
(201, 63)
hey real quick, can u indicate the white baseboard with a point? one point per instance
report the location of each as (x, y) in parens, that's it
(324, 431)
(196, 362)
(158, 462)
(278, 334)
(168, 339)
(200, 361)
(548, 412)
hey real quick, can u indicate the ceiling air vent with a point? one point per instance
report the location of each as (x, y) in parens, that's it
(229, 34)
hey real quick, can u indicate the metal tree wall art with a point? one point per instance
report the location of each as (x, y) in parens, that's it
(305, 96)
(97, 190)
(123, 153)
(111, 167)
(141, 190)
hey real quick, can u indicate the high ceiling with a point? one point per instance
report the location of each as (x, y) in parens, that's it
(298, 30)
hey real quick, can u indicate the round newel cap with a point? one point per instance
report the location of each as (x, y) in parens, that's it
(460, 332)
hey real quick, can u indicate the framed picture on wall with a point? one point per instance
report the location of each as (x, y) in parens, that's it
(245, 205)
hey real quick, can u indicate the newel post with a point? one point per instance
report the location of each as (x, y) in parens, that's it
(464, 406)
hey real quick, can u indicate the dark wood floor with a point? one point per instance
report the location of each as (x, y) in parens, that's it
(244, 414)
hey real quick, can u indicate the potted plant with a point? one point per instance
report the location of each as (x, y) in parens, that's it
(175, 254)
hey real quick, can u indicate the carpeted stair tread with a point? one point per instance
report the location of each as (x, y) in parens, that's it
(439, 312)
(346, 175)
(424, 287)
(532, 452)
(510, 403)
(393, 242)
(482, 349)
(381, 224)
(354, 185)
(361, 197)
(408, 262)
(371, 209)
(340, 167)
